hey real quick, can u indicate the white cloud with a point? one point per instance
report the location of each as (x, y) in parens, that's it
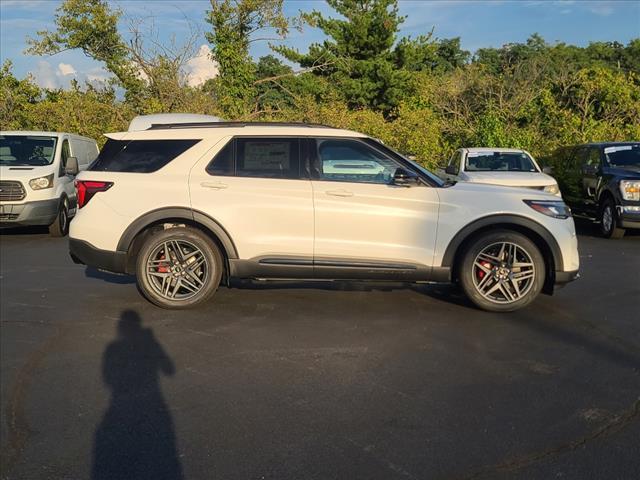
(603, 9)
(65, 69)
(45, 75)
(201, 68)
(48, 76)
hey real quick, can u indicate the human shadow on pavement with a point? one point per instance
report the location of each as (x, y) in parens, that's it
(135, 439)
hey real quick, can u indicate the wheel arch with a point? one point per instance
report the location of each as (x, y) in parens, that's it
(537, 233)
(133, 237)
(604, 195)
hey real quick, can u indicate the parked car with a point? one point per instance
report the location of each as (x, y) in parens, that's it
(498, 166)
(185, 207)
(36, 177)
(601, 181)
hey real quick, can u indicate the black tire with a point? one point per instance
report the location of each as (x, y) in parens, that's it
(608, 218)
(188, 240)
(515, 296)
(60, 226)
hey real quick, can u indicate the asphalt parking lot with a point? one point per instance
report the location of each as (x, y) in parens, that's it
(318, 381)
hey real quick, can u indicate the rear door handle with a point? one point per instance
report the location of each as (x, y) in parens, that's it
(214, 185)
(339, 193)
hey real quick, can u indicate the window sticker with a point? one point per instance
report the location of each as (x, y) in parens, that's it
(267, 156)
(618, 148)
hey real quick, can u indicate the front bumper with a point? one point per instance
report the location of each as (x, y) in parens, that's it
(85, 253)
(42, 212)
(629, 216)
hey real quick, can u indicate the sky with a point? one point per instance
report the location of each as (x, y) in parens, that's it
(490, 23)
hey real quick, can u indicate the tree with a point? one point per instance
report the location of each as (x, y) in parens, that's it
(151, 73)
(357, 55)
(234, 25)
(90, 26)
(16, 97)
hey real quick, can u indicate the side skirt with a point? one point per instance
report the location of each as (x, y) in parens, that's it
(335, 269)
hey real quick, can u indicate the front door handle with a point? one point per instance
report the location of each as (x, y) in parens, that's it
(214, 185)
(339, 193)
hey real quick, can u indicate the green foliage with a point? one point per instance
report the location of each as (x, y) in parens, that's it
(423, 96)
(90, 26)
(357, 55)
(233, 23)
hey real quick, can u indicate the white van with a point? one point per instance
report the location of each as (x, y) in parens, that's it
(37, 171)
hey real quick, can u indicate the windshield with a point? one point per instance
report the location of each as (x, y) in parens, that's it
(26, 150)
(499, 162)
(623, 155)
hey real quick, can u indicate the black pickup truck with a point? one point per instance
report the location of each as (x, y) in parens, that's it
(601, 181)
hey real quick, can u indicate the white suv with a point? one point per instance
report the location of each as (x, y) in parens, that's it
(185, 207)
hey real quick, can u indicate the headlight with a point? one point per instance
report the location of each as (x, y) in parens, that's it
(41, 182)
(630, 189)
(553, 189)
(551, 208)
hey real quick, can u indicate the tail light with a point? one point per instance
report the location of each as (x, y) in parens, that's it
(88, 188)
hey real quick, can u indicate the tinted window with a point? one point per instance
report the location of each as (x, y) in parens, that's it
(593, 157)
(222, 163)
(343, 160)
(139, 156)
(268, 157)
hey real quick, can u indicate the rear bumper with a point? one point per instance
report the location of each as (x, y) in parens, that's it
(42, 212)
(84, 253)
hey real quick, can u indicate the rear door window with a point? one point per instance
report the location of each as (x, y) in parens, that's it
(260, 157)
(268, 157)
(139, 156)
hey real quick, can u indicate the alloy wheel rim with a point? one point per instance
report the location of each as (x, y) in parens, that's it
(177, 270)
(503, 272)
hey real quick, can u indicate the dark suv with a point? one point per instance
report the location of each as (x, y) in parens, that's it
(601, 181)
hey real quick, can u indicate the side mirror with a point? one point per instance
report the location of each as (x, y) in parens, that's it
(589, 169)
(451, 170)
(548, 170)
(72, 167)
(404, 178)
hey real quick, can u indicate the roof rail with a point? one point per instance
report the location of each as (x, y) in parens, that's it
(163, 126)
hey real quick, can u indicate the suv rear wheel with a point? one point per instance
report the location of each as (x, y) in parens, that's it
(178, 268)
(502, 271)
(609, 220)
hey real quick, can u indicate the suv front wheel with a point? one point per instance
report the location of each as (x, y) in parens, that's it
(609, 220)
(178, 268)
(502, 271)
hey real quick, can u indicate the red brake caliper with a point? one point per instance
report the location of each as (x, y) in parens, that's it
(481, 273)
(162, 268)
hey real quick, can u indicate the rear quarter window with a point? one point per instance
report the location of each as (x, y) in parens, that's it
(139, 156)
